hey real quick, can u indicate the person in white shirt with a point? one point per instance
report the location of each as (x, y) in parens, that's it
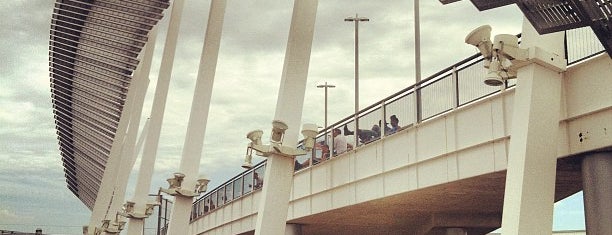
(340, 145)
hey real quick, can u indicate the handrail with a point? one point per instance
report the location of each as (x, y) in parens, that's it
(424, 81)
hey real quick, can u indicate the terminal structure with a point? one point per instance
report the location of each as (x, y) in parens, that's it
(467, 157)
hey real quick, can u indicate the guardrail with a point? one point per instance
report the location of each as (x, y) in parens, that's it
(455, 86)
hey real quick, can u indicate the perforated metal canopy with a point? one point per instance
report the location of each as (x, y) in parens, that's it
(93, 50)
(549, 16)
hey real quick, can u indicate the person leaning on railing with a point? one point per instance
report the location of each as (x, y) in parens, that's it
(324, 155)
(364, 135)
(394, 125)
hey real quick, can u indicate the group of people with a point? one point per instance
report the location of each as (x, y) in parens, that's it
(341, 145)
(366, 136)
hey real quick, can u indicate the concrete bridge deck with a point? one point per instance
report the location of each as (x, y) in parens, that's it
(445, 172)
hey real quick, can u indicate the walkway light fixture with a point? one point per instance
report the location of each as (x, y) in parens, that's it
(128, 207)
(309, 131)
(503, 57)
(278, 131)
(176, 181)
(108, 227)
(175, 186)
(481, 39)
(276, 142)
(150, 207)
(255, 138)
(129, 210)
(248, 159)
(202, 185)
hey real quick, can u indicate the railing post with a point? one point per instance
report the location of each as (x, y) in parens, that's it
(332, 143)
(417, 99)
(159, 208)
(455, 78)
(383, 123)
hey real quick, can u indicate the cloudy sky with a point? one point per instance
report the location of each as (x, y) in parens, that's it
(33, 191)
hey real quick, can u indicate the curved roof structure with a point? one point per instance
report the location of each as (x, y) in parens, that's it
(93, 52)
(548, 16)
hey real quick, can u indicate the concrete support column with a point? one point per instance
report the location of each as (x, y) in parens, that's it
(135, 225)
(109, 190)
(128, 152)
(272, 211)
(147, 163)
(196, 128)
(532, 158)
(596, 175)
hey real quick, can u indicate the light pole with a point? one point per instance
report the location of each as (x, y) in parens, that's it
(356, 19)
(325, 86)
(417, 60)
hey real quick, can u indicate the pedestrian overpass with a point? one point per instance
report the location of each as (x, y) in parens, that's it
(444, 170)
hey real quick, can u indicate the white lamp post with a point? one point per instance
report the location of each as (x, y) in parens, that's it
(325, 86)
(356, 19)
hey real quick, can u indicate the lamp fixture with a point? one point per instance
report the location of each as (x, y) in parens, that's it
(278, 131)
(503, 57)
(309, 131)
(276, 142)
(248, 159)
(175, 186)
(129, 210)
(202, 185)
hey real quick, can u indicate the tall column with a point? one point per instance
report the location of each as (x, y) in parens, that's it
(532, 161)
(157, 115)
(597, 185)
(109, 190)
(196, 128)
(145, 70)
(128, 153)
(272, 212)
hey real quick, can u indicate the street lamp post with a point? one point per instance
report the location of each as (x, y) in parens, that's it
(417, 60)
(325, 86)
(356, 19)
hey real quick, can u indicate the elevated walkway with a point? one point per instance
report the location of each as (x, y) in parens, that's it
(445, 169)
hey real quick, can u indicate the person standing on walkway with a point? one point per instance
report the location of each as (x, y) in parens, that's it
(340, 144)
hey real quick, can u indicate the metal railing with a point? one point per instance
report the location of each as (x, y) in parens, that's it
(243, 184)
(455, 86)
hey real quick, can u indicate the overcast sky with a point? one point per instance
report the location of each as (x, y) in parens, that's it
(33, 191)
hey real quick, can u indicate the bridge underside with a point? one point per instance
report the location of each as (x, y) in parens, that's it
(474, 204)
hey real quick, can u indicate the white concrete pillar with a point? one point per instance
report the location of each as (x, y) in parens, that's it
(532, 161)
(112, 186)
(597, 185)
(128, 153)
(135, 225)
(272, 212)
(147, 162)
(196, 128)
